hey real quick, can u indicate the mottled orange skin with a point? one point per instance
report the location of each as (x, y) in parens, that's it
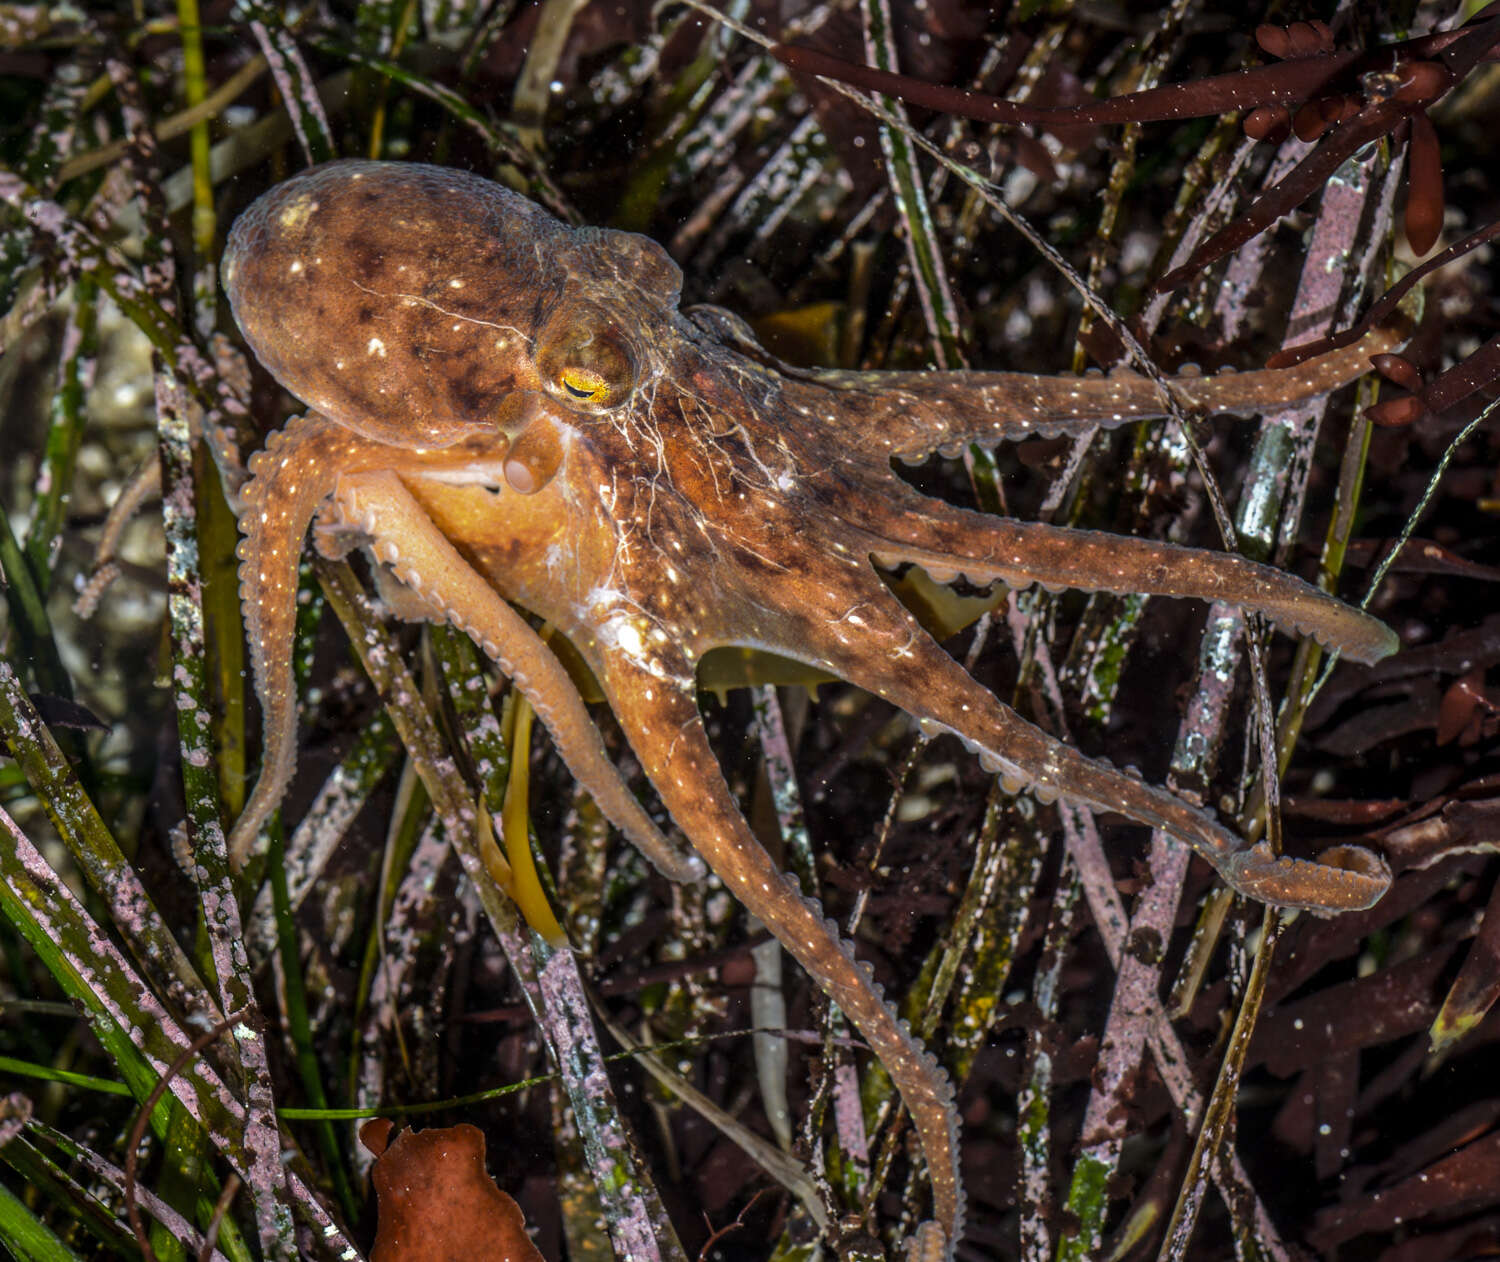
(508, 410)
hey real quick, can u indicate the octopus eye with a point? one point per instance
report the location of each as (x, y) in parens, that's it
(585, 384)
(587, 367)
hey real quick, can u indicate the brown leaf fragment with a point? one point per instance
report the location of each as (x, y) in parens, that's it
(1388, 302)
(1318, 1115)
(1377, 724)
(1395, 84)
(1399, 369)
(1469, 1177)
(1267, 122)
(1243, 89)
(1424, 177)
(435, 1201)
(1152, 1207)
(1477, 985)
(61, 713)
(1470, 1241)
(1355, 814)
(1396, 413)
(1459, 826)
(375, 1135)
(1424, 81)
(1316, 117)
(1032, 154)
(1337, 1091)
(1308, 177)
(1313, 943)
(1455, 654)
(1310, 38)
(1444, 1135)
(1423, 556)
(1475, 374)
(1478, 374)
(1387, 1005)
(1464, 708)
(1274, 40)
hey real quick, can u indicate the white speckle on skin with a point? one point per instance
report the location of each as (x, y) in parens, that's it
(296, 214)
(375, 347)
(629, 639)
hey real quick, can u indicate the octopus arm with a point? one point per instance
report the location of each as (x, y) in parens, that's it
(656, 705)
(302, 466)
(289, 479)
(424, 560)
(909, 415)
(893, 657)
(942, 538)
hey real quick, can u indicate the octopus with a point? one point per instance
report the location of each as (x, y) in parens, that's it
(511, 415)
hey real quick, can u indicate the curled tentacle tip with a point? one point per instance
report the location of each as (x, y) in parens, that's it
(1358, 860)
(1362, 877)
(1342, 878)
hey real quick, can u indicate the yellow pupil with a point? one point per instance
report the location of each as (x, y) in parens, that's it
(583, 384)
